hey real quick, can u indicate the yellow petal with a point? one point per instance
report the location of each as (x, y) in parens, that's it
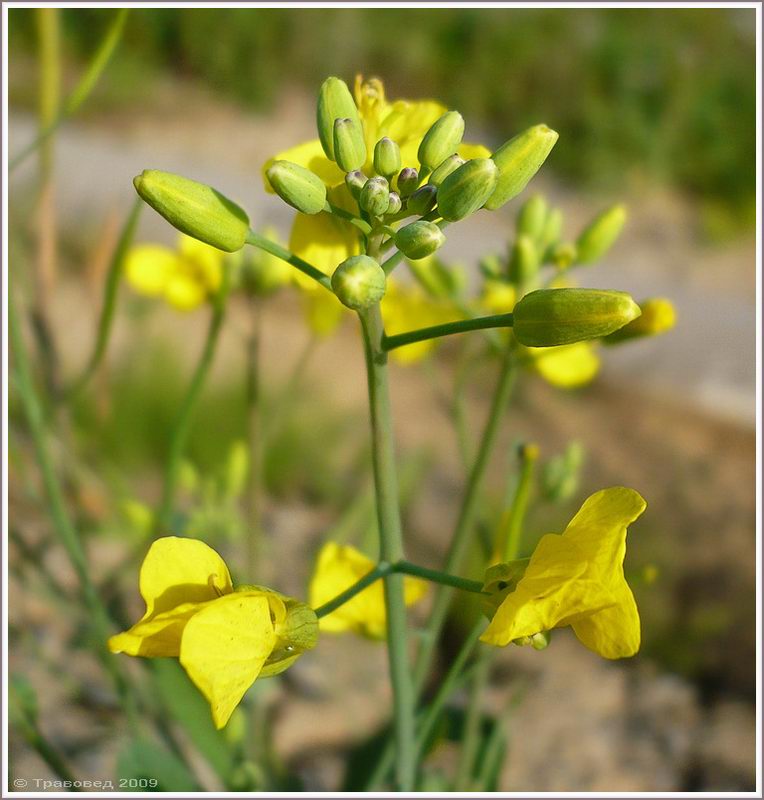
(184, 293)
(468, 151)
(311, 156)
(158, 636)
(224, 647)
(205, 261)
(613, 632)
(148, 266)
(568, 366)
(323, 311)
(498, 297)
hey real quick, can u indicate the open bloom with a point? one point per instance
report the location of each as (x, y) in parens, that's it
(338, 567)
(225, 638)
(576, 579)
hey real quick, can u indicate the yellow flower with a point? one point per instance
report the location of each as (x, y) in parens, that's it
(225, 638)
(185, 278)
(498, 297)
(567, 366)
(577, 579)
(338, 567)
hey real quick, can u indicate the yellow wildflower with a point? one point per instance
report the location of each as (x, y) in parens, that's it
(186, 278)
(577, 579)
(338, 567)
(225, 638)
(567, 366)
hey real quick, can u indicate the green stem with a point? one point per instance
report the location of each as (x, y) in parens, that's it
(436, 576)
(447, 329)
(391, 263)
(361, 224)
(181, 428)
(373, 576)
(508, 541)
(471, 738)
(256, 240)
(255, 439)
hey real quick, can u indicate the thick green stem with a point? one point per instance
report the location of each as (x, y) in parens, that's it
(447, 329)
(256, 240)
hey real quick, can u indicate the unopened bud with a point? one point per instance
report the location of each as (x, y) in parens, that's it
(658, 316)
(524, 261)
(375, 196)
(408, 180)
(423, 200)
(387, 158)
(195, 209)
(359, 282)
(441, 140)
(452, 163)
(531, 217)
(518, 161)
(394, 204)
(466, 189)
(551, 231)
(563, 255)
(419, 239)
(541, 640)
(334, 102)
(550, 317)
(297, 186)
(600, 235)
(491, 266)
(349, 144)
(355, 182)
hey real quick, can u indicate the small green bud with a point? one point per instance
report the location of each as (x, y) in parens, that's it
(444, 136)
(334, 102)
(375, 196)
(445, 168)
(658, 316)
(419, 239)
(466, 189)
(387, 158)
(563, 255)
(600, 235)
(524, 261)
(491, 266)
(551, 231)
(408, 180)
(395, 203)
(531, 217)
(518, 161)
(423, 200)
(355, 181)
(541, 640)
(297, 186)
(194, 208)
(349, 145)
(359, 282)
(550, 317)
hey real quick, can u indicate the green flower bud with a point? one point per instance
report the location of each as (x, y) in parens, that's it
(600, 235)
(355, 181)
(419, 239)
(297, 186)
(375, 196)
(466, 189)
(408, 180)
(387, 158)
(194, 209)
(518, 161)
(531, 217)
(423, 200)
(491, 266)
(334, 102)
(541, 640)
(446, 167)
(395, 204)
(551, 231)
(359, 282)
(349, 145)
(550, 317)
(563, 255)
(658, 316)
(524, 261)
(441, 140)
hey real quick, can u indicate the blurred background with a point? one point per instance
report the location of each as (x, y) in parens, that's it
(655, 108)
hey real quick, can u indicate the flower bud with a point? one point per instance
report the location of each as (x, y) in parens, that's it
(394, 204)
(349, 145)
(194, 209)
(658, 316)
(441, 140)
(563, 254)
(600, 235)
(423, 200)
(518, 161)
(466, 189)
(452, 163)
(540, 640)
(355, 181)
(419, 239)
(531, 217)
(551, 231)
(408, 180)
(334, 102)
(375, 196)
(387, 158)
(524, 261)
(297, 186)
(550, 317)
(359, 282)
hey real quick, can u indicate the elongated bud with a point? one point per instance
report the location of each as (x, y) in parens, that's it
(334, 102)
(441, 140)
(550, 317)
(600, 235)
(387, 158)
(524, 261)
(551, 231)
(359, 282)
(408, 180)
(451, 164)
(375, 196)
(194, 208)
(531, 217)
(423, 200)
(563, 255)
(349, 145)
(297, 186)
(355, 182)
(419, 239)
(394, 204)
(466, 189)
(518, 161)
(491, 266)
(658, 316)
